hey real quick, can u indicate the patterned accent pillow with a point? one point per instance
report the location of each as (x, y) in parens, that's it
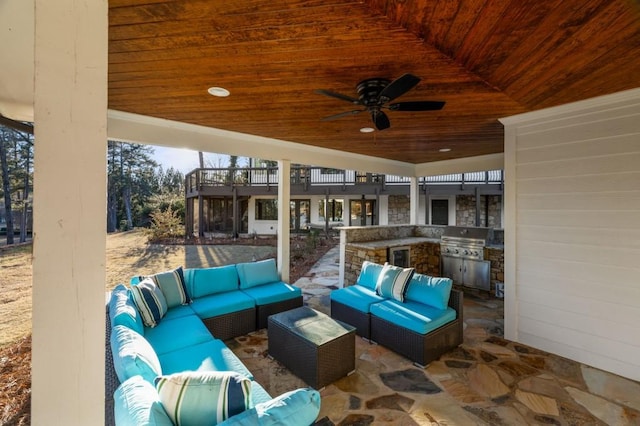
(173, 287)
(150, 301)
(392, 281)
(203, 398)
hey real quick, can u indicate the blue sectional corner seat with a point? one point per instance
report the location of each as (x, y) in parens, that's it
(166, 365)
(415, 315)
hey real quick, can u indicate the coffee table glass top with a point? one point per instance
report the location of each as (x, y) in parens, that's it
(312, 325)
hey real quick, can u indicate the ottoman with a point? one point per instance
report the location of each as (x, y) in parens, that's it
(312, 345)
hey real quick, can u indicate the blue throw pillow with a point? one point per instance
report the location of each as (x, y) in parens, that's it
(150, 301)
(203, 398)
(257, 273)
(296, 408)
(173, 287)
(393, 281)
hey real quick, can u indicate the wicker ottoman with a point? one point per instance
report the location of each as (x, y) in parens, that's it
(314, 346)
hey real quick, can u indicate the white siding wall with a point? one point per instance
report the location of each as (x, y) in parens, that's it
(572, 248)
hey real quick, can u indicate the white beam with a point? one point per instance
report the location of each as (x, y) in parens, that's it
(284, 213)
(414, 201)
(69, 212)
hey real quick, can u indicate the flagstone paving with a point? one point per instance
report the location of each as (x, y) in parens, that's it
(488, 380)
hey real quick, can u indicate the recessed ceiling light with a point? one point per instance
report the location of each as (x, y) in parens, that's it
(367, 130)
(220, 92)
(444, 149)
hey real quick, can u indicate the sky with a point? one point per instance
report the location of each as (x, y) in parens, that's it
(186, 160)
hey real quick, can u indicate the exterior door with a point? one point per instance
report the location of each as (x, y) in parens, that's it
(440, 212)
(299, 217)
(363, 213)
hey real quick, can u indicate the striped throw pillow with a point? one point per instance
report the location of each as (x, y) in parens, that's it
(203, 398)
(173, 287)
(150, 301)
(392, 281)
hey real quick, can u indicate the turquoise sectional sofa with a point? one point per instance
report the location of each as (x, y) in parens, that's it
(166, 364)
(415, 315)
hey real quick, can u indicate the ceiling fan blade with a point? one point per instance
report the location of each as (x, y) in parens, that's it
(342, 114)
(417, 106)
(398, 87)
(380, 119)
(338, 96)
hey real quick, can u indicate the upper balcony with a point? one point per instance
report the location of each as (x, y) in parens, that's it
(320, 180)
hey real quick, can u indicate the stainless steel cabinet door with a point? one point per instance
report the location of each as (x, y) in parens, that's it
(452, 268)
(476, 274)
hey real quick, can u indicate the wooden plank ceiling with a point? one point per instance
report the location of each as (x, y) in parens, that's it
(485, 58)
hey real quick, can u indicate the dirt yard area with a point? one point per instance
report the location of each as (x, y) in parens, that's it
(127, 254)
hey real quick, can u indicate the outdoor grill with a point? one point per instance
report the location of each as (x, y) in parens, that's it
(462, 254)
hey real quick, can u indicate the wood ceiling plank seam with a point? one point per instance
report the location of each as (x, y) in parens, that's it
(609, 35)
(534, 51)
(439, 28)
(222, 23)
(471, 11)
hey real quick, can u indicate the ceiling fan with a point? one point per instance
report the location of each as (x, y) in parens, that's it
(374, 94)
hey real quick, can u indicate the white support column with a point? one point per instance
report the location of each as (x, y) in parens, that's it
(284, 197)
(414, 200)
(70, 109)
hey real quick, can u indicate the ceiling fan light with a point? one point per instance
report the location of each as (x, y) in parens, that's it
(444, 149)
(220, 92)
(367, 130)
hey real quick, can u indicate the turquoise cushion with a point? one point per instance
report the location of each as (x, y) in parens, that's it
(178, 312)
(203, 398)
(133, 355)
(357, 297)
(272, 293)
(208, 356)
(296, 408)
(206, 281)
(222, 303)
(393, 281)
(257, 273)
(177, 333)
(433, 291)
(172, 285)
(122, 310)
(258, 394)
(414, 316)
(136, 403)
(150, 301)
(369, 274)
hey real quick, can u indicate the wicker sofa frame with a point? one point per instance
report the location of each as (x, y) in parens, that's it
(263, 311)
(234, 324)
(419, 348)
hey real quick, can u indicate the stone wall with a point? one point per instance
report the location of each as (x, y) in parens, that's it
(425, 258)
(466, 210)
(399, 208)
(496, 257)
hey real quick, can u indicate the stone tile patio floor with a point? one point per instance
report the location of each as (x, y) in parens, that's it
(486, 381)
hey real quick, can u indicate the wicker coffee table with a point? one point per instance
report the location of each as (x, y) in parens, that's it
(314, 346)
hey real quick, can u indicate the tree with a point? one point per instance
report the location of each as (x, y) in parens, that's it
(16, 154)
(132, 181)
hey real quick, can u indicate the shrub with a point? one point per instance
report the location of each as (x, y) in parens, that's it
(165, 224)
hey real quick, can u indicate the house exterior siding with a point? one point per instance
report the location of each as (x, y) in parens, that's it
(572, 231)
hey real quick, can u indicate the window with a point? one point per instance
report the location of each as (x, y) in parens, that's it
(333, 210)
(266, 209)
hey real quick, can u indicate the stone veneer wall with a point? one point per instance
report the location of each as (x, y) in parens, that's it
(398, 209)
(425, 258)
(466, 210)
(496, 257)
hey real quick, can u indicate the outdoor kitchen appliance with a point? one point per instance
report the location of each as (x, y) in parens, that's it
(462, 256)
